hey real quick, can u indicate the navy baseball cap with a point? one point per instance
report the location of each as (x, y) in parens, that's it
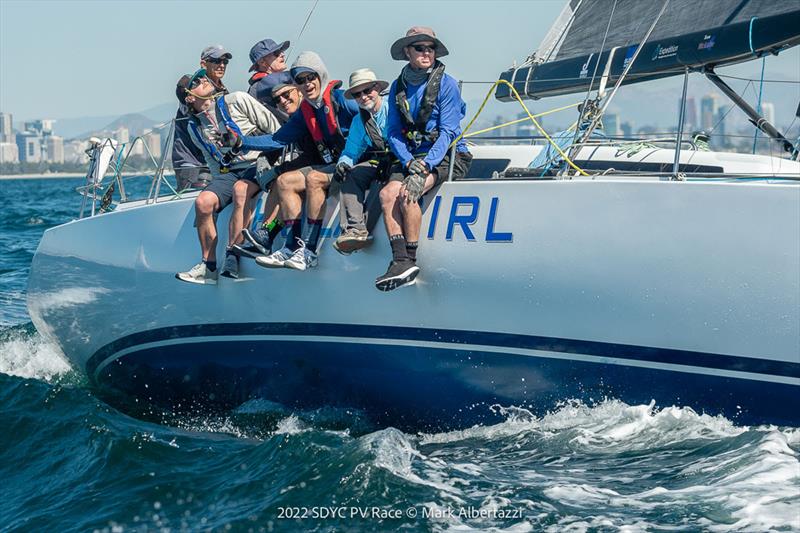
(271, 84)
(263, 48)
(215, 51)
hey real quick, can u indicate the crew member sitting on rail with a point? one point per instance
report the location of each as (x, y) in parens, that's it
(278, 91)
(267, 57)
(425, 112)
(324, 118)
(187, 160)
(213, 116)
(367, 136)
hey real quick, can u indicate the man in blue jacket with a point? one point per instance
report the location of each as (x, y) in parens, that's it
(425, 112)
(323, 119)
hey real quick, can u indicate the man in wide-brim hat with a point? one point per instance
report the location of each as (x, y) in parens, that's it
(424, 115)
(367, 136)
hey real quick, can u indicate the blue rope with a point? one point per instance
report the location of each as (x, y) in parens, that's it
(760, 83)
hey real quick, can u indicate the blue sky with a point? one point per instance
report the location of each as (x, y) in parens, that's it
(62, 59)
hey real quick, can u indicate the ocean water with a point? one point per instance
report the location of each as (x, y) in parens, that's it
(68, 462)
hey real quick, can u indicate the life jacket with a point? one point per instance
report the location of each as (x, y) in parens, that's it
(414, 128)
(330, 149)
(373, 131)
(257, 76)
(224, 123)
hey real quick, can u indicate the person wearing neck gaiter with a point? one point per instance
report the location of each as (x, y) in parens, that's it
(424, 119)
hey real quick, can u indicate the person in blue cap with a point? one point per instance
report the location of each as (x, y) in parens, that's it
(267, 57)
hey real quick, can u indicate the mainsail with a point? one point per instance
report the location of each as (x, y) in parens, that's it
(690, 33)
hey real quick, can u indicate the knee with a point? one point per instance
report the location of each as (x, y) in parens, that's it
(389, 193)
(316, 181)
(205, 204)
(240, 192)
(286, 182)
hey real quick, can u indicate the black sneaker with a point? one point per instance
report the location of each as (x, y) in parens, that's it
(400, 273)
(230, 269)
(258, 240)
(248, 250)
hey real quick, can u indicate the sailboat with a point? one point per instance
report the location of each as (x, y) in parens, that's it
(669, 275)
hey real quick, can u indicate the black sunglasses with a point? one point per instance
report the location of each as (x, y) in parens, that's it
(287, 95)
(303, 79)
(420, 48)
(356, 94)
(224, 61)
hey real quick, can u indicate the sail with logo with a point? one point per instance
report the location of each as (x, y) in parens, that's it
(593, 39)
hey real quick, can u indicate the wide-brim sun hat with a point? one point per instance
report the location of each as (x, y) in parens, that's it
(415, 35)
(363, 77)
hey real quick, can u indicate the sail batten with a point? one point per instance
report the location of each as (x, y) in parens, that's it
(691, 33)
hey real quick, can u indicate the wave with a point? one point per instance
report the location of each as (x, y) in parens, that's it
(25, 353)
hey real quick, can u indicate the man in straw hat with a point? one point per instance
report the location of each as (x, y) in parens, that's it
(367, 139)
(424, 118)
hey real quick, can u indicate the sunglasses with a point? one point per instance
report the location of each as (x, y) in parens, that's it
(303, 79)
(284, 96)
(222, 61)
(422, 48)
(358, 94)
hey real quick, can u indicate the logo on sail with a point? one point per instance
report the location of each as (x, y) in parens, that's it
(707, 42)
(663, 52)
(629, 56)
(585, 67)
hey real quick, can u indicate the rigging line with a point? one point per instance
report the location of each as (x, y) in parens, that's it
(308, 18)
(730, 108)
(758, 105)
(796, 82)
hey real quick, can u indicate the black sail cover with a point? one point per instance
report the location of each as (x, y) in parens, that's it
(690, 33)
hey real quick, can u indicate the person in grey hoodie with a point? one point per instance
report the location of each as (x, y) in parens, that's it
(323, 119)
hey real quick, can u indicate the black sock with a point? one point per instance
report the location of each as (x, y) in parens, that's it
(398, 244)
(211, 265)
(411, 250)
(273, 229)
(314, 227)
(295, 230)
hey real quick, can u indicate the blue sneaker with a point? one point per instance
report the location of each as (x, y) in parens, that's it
(258, 240)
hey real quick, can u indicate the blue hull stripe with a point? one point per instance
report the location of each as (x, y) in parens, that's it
(455, 337)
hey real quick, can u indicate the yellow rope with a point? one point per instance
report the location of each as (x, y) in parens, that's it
(530, 116)
(523, 119)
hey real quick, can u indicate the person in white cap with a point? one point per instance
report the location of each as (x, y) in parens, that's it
(424, 119)
(367, 138)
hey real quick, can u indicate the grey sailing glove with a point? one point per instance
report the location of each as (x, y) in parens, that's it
(414, 185)
(340, 174)
(418, 166)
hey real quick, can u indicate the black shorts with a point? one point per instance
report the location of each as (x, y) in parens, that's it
(192, 177)
(222, 185)
(440, 171)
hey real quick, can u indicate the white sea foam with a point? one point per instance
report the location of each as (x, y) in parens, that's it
(31, 356)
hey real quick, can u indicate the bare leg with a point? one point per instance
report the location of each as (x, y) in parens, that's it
(316, 185)
(242, 191)
(205, 206)
(412, 213)
(271, 205)
(291, 185)
(390, 203)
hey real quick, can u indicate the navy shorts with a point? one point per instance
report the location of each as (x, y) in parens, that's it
(222, 185)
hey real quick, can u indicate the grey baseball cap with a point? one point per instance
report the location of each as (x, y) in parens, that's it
(215, 51)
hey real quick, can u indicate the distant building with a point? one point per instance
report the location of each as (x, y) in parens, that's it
(122, 135)
(719, 138)
(627, 129)
(611, 124)
(54, 146)
(7, 128)
(29, 145)
(75, 151)
(41, 127)
(153, 141)
(708, 111)
(9, 152)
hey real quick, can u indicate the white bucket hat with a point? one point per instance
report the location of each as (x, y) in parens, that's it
(364, 76)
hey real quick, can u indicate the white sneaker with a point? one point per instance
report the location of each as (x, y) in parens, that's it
(275, 259)
(198, 274)
(301, 259)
